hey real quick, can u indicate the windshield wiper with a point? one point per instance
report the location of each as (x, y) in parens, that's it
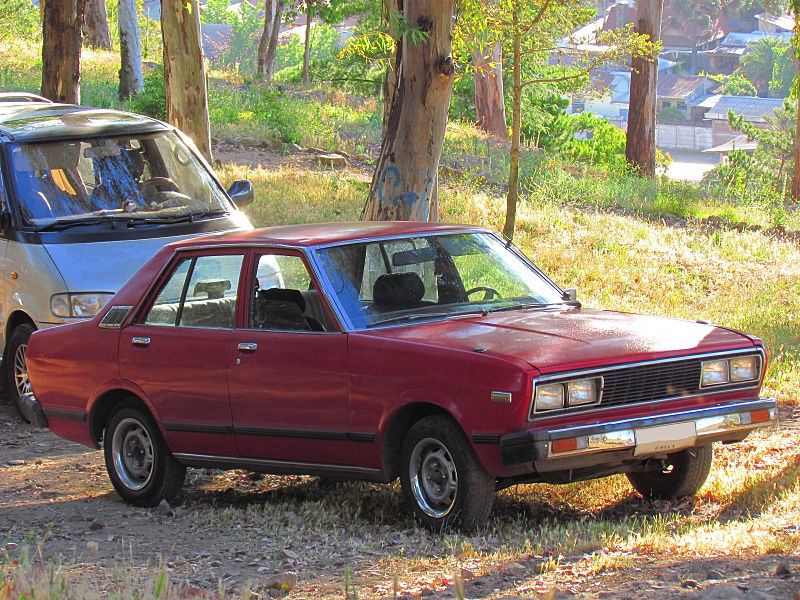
(420, 316)
(529, 305)
(59, 225)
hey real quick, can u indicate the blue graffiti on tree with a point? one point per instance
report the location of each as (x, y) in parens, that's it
(407, 199)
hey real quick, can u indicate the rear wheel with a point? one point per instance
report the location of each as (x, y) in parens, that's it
(139, 464)
(682, 474)
(17, 382)
(444, 483)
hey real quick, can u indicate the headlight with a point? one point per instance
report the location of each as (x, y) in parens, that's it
(744, 368)
(552, 396)
(582, 391)
(549, 396)
(78, 305)
(730, 370)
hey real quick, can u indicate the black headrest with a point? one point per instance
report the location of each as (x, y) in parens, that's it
(284, 295)
(398, 289)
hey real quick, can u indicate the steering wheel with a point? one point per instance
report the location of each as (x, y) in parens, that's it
(488, 292)
(155, 184)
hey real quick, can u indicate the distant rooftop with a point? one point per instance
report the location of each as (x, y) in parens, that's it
(671, 85)
(784, 22)
(752, 108)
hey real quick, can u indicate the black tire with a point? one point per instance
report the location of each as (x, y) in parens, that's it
(17, 382)
(444, 483)
(139, 464)
(684, 474)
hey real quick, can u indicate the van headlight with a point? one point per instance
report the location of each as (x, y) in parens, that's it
(78, 305)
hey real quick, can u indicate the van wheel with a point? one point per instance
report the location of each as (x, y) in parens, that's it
(443, 482)
(682, 474)
(139, 464)
(17, 380)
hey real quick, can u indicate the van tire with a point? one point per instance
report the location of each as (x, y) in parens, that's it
(16, 370)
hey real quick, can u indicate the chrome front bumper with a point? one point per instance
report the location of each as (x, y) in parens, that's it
(641, 437)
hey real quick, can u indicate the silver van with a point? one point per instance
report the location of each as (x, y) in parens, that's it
(86, 197)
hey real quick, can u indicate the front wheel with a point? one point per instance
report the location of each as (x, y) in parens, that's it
(444, 483)
(682, 474)
(139, 464)
(18, 383)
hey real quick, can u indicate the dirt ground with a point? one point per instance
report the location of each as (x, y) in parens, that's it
(56, 499)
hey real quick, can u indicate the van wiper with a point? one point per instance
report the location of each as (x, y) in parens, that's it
(61, 225)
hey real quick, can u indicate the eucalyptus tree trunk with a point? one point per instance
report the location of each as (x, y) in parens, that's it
(273, 41)
(62, 37)
(130, 50)
(95, 26)
(516, 126)
(404, 185)
(796, 149)
(391, 79)
(307, 47)
(640, 149)
(490, 110)
(263, 42)
(184, 72)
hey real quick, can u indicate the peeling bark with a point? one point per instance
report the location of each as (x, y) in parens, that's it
(490, 110)
(263, 42)
(95, 26)
(61, 50)
(640, 150)
(130, 49)
(405, 183)
(184, 72)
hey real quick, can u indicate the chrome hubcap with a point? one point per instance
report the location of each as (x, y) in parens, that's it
(433, 476)
(132, 452)
(21, 380)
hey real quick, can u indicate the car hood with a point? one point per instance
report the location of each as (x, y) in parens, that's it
(553, 339)
(104, 266)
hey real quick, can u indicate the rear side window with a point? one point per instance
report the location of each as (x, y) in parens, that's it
(201, 292)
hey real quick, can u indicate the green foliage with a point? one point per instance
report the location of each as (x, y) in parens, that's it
(783, 73)
(764, 62)
(216, 11)
(239, 52)
(670, 114)
(735, 85)
(19, 18)
(152, 100)
(324, 47)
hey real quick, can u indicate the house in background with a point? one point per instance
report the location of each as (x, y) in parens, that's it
(684, 92)
(775, 24)
(753, 110)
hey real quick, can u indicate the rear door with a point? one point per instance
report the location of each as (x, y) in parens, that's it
(177, 352)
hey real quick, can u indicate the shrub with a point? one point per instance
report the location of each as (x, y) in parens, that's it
(152, 100)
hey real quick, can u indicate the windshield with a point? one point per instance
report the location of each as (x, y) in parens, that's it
(147, 178)
(399, 280)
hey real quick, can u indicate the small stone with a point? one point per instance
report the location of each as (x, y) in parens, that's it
(514, 568)
(331, 160)
(714, 574)
(290, 554)
(281, 582)
(92, 547)
(783, 571)
(15, 462)
(426, 592)
(689, 583)
(291, 148)
(95, 525)
(723, 592)
(48, 494)
(466, 574)
(11, 546)
(361, 157)
(164, 509)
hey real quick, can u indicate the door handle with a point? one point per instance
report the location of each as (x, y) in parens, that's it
(247, 347)
(140, 341)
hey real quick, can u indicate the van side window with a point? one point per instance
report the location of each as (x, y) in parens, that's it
(201, 292)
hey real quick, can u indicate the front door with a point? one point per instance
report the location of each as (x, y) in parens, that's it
(288, 376)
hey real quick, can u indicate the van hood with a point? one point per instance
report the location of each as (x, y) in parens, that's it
(553, 340)
(104, 266)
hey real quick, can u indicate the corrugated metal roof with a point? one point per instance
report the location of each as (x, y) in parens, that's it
(749, 106)
(671, 85)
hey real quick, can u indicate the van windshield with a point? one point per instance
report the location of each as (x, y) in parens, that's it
(148, 178)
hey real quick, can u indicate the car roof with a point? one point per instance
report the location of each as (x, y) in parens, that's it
(323, 234)
(37, 121)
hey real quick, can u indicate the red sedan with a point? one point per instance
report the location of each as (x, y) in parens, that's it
(435, 353)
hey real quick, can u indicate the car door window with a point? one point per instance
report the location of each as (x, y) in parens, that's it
(284, 297)
(201, 292)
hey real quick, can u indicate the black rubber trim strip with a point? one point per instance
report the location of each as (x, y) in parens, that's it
(66, 414)
(307, 434)
(197, 427)
(486, 438)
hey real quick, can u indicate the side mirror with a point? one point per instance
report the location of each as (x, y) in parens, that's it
(241, 192)
(571, 295)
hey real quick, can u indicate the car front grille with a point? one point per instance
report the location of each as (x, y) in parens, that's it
(644, 382)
